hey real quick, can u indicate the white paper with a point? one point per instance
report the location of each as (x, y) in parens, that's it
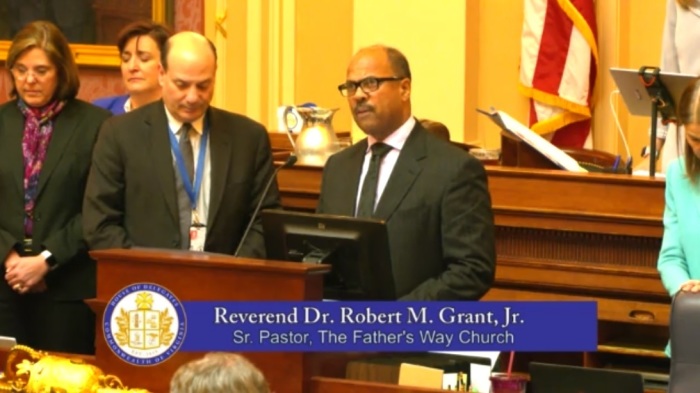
(555, 154)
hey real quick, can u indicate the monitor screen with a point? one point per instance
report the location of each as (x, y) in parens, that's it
(357, 250)
(559, 378)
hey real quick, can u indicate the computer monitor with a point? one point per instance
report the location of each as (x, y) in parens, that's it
(357, 250)
(557, 378)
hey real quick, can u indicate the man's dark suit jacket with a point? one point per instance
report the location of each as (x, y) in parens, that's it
(131, 199)
(58, 207)
(438, 212)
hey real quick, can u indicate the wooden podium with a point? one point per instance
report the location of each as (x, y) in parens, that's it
(207, 277)
(198, 276)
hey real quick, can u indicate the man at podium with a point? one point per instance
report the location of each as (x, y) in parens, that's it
(179, 173)
(432, 195)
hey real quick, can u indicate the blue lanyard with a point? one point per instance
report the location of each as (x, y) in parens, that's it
(192, 192)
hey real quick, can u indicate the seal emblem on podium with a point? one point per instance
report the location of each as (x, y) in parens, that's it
(144, 324)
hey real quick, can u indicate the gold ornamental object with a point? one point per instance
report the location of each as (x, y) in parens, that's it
(31, 371)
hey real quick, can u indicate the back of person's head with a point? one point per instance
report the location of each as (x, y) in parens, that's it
(689, 117)
(47, 37)
(158, 32)
(436, 128)
(219, 373)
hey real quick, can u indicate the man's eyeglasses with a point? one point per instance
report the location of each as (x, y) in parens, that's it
(368, 85)
(22, 73)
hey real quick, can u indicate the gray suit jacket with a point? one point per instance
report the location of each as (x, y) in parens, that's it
(131, 199)
(438, 212)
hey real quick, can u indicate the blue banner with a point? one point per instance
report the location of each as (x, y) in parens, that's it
(390, 326)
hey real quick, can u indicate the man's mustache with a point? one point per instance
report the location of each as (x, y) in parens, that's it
(363, 107)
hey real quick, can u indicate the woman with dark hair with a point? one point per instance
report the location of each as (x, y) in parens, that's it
(140, 45)
(46, 142)
(679, 258)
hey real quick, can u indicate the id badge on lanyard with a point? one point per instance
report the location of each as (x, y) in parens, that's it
(198, 235)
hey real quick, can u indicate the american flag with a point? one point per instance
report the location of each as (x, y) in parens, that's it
(558, 66)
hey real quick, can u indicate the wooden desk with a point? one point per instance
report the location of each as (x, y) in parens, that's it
(279, 141)
(569, 236)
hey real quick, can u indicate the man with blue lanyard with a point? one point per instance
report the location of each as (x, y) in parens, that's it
(179, 173)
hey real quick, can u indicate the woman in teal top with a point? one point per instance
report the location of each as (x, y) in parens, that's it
(679, 259)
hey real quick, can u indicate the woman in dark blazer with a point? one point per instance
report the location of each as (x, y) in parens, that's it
(46, 142)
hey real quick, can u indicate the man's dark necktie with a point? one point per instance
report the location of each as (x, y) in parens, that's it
(368, 196)
(184, 203)
(186, 149)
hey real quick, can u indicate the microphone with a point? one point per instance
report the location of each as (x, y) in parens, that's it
(290, 161)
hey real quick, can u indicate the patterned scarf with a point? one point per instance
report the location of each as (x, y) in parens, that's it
(38, 127)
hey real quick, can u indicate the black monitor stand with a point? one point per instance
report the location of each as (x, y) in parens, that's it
(661, 103)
